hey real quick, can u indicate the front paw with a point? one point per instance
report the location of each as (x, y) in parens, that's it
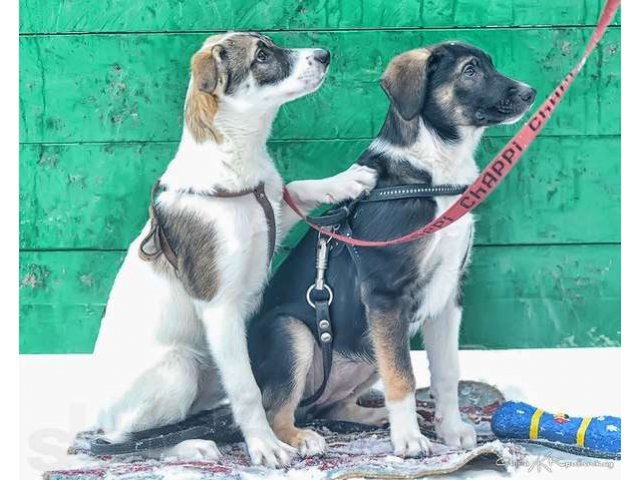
(351, 183)
(412, 444)
(267, 450)
(309, 443)
(456, 433)
(194, 450)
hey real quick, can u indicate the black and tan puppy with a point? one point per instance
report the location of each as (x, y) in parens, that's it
(442, 99)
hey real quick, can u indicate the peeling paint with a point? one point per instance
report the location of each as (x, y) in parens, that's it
(35, 277)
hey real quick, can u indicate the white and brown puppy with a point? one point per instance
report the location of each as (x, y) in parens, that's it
(442, 97)
(172, 340)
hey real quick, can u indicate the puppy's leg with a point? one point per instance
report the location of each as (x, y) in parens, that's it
(389, 333)
(348, 409)
(440, 336)
(285, 390)
(162, 395)
(224, 323)
(308, 194)
(193, 450)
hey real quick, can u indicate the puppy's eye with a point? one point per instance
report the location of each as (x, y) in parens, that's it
(261, 56)
(469, 71)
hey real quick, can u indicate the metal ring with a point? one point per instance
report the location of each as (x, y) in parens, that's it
(312, 287)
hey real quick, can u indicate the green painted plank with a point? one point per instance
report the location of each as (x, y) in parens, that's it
(103, 88)
(39, 16)
(59, 328)
(516, 297)
(543, 297)
(62, 299)
(566, 190)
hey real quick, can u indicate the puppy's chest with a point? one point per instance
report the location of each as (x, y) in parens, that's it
(441, 262)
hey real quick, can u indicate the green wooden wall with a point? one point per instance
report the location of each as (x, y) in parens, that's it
(101, 92)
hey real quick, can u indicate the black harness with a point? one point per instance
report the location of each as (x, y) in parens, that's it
(319, 294)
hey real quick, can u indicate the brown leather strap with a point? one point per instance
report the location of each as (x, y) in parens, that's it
(261, 198)
(157, 236)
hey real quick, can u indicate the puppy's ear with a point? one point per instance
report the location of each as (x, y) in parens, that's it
(205, 68)
(202, 101)
(405, 81)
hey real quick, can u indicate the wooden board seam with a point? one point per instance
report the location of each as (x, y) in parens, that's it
(318, 30)
(287, 140)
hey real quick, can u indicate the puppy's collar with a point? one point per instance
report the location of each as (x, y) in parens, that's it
(383, 194)
(413, 191)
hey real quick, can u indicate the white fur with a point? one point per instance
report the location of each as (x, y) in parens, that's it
(448, 163)
(440, 335)
(406, 438)
(163, 354)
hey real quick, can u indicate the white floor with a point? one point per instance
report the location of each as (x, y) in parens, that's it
(55, 393)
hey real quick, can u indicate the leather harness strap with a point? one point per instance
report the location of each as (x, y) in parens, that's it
(321, 302)
(261, 197)
(158, 237)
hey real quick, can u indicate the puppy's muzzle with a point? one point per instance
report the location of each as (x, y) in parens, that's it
(322, 56)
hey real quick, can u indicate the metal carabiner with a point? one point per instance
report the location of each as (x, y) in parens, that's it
(322, 254)
(322, 258)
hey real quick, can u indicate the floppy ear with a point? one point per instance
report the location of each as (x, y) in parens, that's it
(405, 81)
(205, 70)
(200, 109)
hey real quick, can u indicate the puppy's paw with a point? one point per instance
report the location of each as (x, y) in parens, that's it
(194, 450)
(351, 183)
(310, 443)
(267, 450)
(378, 417)
(410, 445)
(456, 433)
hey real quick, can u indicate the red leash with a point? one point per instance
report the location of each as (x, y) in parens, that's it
(499, 167)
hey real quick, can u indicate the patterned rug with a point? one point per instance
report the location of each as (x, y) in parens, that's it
(353, 451)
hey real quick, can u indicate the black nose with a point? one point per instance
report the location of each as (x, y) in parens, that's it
(322, 56)
(527, 94)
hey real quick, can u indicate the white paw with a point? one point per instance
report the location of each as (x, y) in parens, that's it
(410, 445)
(310, 443)
(267, 450)
(195, 450)
(351, 183)
(456, 433)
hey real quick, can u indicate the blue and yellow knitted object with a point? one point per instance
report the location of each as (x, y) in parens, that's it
(590, 436)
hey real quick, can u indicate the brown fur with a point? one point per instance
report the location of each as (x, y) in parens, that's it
(446, 99)
(202, 103)
(391, 345)
(404, 81)
(196, 247)
(208, 81)
(282, 416)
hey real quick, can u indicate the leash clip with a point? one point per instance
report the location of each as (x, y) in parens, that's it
(321, 262)
(322, 256)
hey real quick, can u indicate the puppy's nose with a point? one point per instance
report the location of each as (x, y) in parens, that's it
(527, 94)
(322, 56)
